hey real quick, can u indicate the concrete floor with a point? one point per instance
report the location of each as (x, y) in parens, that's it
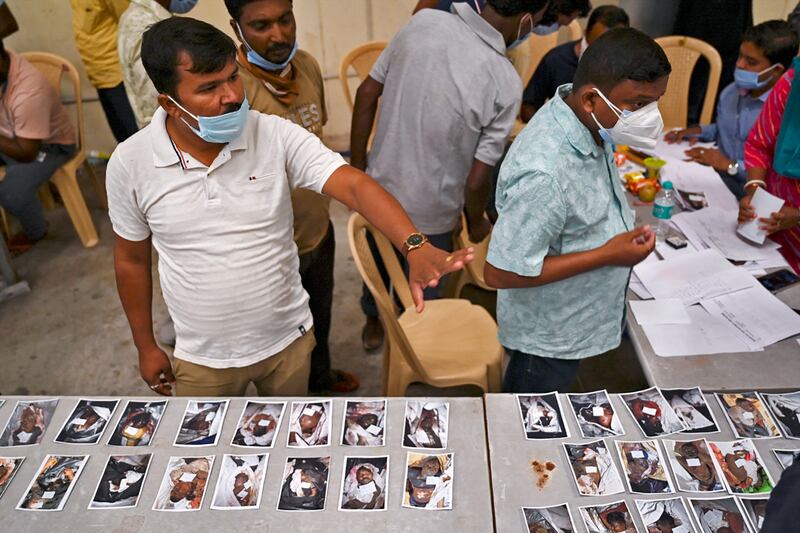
(69, 336)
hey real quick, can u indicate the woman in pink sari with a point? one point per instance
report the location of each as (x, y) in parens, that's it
(759, 150)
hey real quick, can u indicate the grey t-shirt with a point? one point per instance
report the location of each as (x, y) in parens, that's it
(450, 95)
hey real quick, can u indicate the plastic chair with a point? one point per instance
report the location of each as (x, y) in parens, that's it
(473, 272)
(361, 58)
(451, 343)
(683, 53)
(65, 178)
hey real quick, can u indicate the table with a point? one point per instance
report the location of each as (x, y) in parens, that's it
(514, 483)
(471, 504)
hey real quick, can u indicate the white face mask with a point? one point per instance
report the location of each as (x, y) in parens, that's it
(641, 128)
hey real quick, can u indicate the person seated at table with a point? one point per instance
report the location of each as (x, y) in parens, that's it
(558, 66)
(564, 244)
(766, 52)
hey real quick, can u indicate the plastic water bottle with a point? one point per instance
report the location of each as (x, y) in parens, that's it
(662, 210)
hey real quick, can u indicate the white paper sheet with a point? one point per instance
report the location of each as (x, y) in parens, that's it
(764, 204)
(706, 334)
(661, 311)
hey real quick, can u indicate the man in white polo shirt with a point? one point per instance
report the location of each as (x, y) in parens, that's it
(208, 183)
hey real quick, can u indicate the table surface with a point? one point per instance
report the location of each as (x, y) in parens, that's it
(514, 483)
(471, 503)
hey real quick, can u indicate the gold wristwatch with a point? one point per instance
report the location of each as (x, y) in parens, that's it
(414, 241)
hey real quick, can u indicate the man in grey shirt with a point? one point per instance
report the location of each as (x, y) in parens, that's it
(449, 98)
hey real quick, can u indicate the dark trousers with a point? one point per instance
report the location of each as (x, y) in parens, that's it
(368, 305)
(118, 111)
(316, 274)
(528, 373)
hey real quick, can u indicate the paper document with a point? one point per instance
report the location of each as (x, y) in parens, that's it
(706, 334)
(764, 204)
(663, 311)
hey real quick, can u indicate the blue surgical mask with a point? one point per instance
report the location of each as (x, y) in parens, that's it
(181, 6)
(254, 58)
(749, 81)
(546, 30)
(221, 128)
(521, 37)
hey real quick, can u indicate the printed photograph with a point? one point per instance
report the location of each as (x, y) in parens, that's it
(593, 469)
(652, 412)
(121, 483)
(555, 519)
(608, 518)
(748, 416)
(310, 424)
(28, 422)
(9, 466)
(54, 481)
(305, 484)
(693, 467)
(720, 515)
(258, 424)
(665, 516)
(755, 510)
(786, 410)
(692, 409)
(364, 423)
(541, 416)
(240, 482)
(86, 423)
(138, 423)
(742, 469)
(429, 481)
(202, 423)
(645, 471)
(426, 425)
(184, 484)
(786, 458)
(364, 484)
(595, 414)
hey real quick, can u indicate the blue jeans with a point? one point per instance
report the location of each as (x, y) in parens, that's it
(534, 374)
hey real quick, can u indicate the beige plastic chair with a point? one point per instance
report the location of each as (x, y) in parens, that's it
(361, 58)
(473, 272)
(452, 342)
(65, 179)
(683, 53)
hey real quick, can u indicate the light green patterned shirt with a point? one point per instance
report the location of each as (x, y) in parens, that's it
(559, 193)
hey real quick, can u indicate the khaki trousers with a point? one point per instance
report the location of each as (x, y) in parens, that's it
(283, 374)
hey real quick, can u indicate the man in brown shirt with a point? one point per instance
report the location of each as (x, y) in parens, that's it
(281, 80)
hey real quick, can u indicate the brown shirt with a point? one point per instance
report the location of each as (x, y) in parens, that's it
(311, 210)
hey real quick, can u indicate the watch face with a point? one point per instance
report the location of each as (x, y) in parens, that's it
(415, 240)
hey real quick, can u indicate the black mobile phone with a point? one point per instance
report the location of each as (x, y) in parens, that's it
(776, 281)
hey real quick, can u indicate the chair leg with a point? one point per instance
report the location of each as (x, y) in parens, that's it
(99, 186)
(70, 192)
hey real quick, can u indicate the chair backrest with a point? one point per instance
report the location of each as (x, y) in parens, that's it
(683, 54)
(475, 268)
(357, 230)
(54, 67)
(361, 58)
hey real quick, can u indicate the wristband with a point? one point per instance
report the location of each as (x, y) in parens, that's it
(757, 183)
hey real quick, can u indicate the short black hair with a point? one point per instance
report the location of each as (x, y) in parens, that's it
(776, 39)
(209, 49)
(565, 7)
(621, 54)
(235, 7)
(609, 16)
(512, 8)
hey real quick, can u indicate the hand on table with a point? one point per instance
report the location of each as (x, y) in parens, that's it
(711, 157)
(156, 370)
(686, 134)
(787, 218)
(630, 248)
(426, 265)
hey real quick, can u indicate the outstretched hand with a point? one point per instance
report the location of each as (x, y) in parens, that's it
(427, 265)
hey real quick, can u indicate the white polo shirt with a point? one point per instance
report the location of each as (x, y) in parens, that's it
(227, 261)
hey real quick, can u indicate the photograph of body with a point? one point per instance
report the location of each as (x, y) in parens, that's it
(720, 515)
(305, 484)
(202, 423)
(541, 416)
(693, 466)
(428, 481)
(748, 416)
(786, 458)
(652, 412)
(240, 482)
(595, 414)
(555, 519)
(258, 425)
(426, 425)
(645, 470)
(121, 483)
(364, 423)
(138, 423)
(184, 484)
(364, 484)
(593, 469)
(310, 424)
(755, 510)
(53, 483)
(27, 424)
(742, 468)
(9, 466)
(86, 423)
(608, 518)
(692, 409)
(665, 516)
(786, 410)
